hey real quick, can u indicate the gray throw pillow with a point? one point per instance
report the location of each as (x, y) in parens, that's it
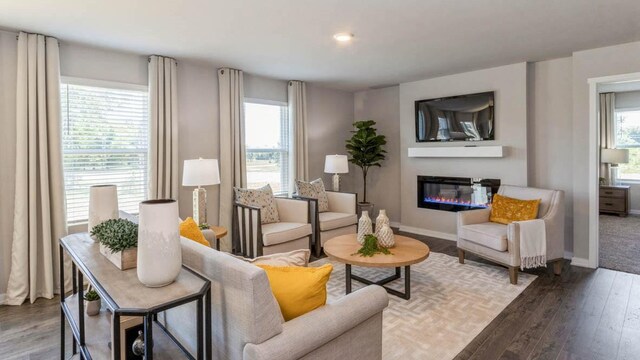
(314, 190)
(262, 198)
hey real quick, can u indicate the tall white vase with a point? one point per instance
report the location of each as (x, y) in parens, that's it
(159, 251)
(386, 238)
(381, 220)
(364, 227)
(103, 204)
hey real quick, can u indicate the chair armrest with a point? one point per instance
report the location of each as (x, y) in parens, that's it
(293, 210)
(342, 202)
(469, 217)
(310, 331)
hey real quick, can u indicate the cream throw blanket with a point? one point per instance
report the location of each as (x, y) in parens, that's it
(533, 244)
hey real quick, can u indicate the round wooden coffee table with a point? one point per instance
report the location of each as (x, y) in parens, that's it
(406, 252)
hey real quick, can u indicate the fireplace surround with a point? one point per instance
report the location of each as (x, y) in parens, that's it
(455, 193)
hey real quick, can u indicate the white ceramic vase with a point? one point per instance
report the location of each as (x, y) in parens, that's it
(381, 220)
(92, 308)
(103, 204)
(365, 227)
(386, 238)
(159, 251)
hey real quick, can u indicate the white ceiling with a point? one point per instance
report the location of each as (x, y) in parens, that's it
(395, 41)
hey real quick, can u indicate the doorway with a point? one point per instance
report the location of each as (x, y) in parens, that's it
(615, 195)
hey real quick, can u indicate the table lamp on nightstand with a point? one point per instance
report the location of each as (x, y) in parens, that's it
(613, 157)
(200, 172)
(336, 164)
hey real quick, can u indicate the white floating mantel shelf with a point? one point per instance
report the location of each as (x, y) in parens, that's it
(457, 151)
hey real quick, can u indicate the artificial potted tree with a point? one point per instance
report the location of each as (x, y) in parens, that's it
(366, 149)
(118, 242)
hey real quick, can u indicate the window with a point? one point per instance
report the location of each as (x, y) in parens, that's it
(627, 135)
(105, 131)
(267, 143)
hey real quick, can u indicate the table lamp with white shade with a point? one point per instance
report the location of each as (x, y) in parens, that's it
(336, 164)
(200, 172)
(614, 157)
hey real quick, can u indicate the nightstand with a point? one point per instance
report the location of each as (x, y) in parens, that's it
(614, 199)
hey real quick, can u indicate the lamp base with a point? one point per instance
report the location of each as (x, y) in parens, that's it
(200, 205)
(336, 182)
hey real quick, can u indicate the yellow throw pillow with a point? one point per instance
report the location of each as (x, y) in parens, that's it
(190, 229)
(298, 289)
(505, 210)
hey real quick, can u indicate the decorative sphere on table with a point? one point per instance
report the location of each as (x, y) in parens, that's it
(159, 249)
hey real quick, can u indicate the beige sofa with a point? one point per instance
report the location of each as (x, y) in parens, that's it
(247, 322)
(501, 243)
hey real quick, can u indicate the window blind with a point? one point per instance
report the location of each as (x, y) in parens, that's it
(105, 133)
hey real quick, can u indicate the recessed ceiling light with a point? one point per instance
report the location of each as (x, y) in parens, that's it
(343, 37)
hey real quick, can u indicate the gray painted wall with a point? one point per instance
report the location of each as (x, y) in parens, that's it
(383, 106)
(510, 86)
(550, 133)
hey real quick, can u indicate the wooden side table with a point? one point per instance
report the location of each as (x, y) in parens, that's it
(220, 232)
(124, 296)
(614, 199)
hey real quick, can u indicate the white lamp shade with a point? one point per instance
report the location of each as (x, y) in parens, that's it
(200, 172)
(336, 164)
(614, 156)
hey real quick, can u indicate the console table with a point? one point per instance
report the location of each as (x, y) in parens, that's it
(123, 295)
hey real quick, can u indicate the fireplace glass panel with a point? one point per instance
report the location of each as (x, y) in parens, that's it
(454, 193)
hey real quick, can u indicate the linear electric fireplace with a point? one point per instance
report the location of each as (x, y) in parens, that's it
(455, 193)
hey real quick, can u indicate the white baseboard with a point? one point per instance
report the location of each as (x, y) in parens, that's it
(581, 262)
(425, 232)
(568, 255)
(634, 212)
(395, 224)
(2, 297)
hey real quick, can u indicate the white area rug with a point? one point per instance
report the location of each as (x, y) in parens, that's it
(450, 304)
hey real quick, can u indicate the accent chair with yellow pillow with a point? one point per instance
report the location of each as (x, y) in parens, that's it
(190, 229)
(494, 233)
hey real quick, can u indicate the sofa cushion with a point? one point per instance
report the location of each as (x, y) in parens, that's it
(314, 190)
(291, 258)
(298, 290)
(190, 229)
(262, 198)
(335, 220)
(491, 235)
(281, 232)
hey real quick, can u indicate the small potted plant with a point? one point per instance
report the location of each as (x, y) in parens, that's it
(118, 242)
(92, 303)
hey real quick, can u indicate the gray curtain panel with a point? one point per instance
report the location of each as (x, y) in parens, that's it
(607, 135)
(39, 210)
(163, 116)
(299, 149)
(232, 146)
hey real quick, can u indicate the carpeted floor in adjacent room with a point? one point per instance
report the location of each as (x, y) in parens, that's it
(620, 243)
(450, 304)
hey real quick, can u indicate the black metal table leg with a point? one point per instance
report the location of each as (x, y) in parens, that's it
(199, 329)
(347, 277)
(407, 282)
(115, 325)
(81, 307)
(148, 337)
(207, 322)
(62, 298)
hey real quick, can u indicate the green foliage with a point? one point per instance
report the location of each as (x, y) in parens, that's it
(371, 247)
(91, 295)
(366, 148)
(204, 226)
(116, 234)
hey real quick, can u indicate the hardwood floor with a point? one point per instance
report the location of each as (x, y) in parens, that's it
(582, 314)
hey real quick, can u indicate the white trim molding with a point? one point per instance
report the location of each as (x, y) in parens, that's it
(431, 233)
(469, 151)
(582, 262)
(634, 212)
(2, 298)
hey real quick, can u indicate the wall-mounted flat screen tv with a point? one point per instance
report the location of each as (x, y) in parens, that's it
(456, 118)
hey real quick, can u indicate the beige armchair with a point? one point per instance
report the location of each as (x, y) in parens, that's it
(341, 219)
(252, 239)
(501, 243)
